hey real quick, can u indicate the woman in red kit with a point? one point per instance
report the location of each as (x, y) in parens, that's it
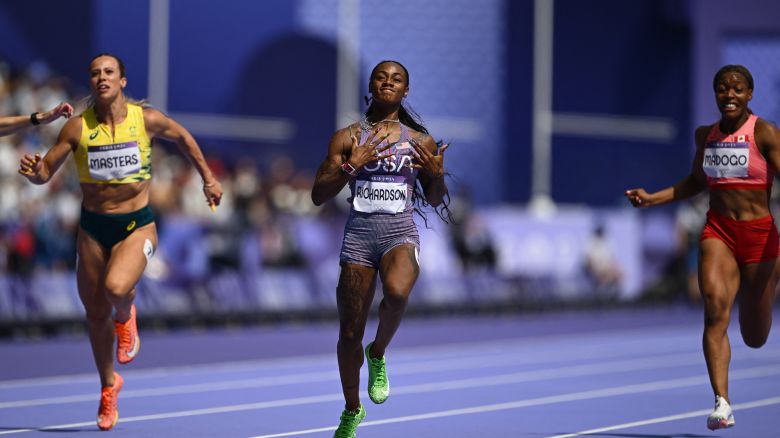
(736, 158)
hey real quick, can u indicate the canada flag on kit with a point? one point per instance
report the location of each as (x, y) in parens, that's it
(743, 138)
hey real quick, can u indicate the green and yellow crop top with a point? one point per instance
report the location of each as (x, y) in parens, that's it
(121, 159)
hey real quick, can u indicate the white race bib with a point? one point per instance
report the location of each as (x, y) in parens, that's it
(379, 197)
(114, 161)
(726, 159)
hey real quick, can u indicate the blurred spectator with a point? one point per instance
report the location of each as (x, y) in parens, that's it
(38, 223)
(55, 233)
(473, 244)
(601, 265)
(19, 243)
(470, 237)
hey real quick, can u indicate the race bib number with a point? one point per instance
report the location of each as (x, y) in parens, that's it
(726, 159)
(114, 161)
(379, 196)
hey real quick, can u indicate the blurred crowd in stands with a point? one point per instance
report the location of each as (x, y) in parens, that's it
(266, 219)
(38, 223)
(258, 224)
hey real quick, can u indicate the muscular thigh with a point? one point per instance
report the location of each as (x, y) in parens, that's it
(757, 288)
(719, 274)
(130, 256)
(355, 291)
(399, 268)
(90, 271)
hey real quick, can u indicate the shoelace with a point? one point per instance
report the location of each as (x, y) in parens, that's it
(347, 424)
(125, 337)
(106, 401)
(381, 376)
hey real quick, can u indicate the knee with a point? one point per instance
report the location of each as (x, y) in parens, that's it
(395, 297)
(716, 310)
(350, 336)
(754, 341)
(754, 337)
(116, 290)
(97, 315)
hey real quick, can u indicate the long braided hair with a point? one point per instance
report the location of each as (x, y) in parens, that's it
(410, 118)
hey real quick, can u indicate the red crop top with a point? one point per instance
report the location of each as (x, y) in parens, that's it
(733, 161)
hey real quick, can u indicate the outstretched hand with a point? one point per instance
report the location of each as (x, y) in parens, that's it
(432, 163)
(64, 109)
(30, 166)
(639, 198)
(368, 152)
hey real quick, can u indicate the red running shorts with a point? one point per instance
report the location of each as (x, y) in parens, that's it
(750, 241)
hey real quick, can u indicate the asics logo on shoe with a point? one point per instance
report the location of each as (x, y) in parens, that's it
(133, 351)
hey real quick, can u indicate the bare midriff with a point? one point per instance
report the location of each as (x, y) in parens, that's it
(115, 198)
(741, 205)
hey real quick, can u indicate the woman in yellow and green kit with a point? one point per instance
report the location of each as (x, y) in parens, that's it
(111, 143)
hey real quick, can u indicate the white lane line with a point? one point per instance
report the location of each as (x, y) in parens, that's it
(740, 406)
(196, 412)
(575, 396)
(639, 363)
(633, 338)
(465, 349)
(582, 395)
(184, 389)
(642, 363)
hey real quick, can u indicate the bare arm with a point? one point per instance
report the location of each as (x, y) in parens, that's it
(9, 125)
(40, 170)
(159, 125)
(344, 148)
(768, 141)
(430, 161)
(330, 178)
(693, 184)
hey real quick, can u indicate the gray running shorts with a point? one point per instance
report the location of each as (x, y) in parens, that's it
(368, 237)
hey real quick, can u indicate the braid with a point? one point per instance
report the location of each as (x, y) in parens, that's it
(410, 118)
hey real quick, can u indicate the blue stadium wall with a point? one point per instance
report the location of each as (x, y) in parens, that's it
(469, 61)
